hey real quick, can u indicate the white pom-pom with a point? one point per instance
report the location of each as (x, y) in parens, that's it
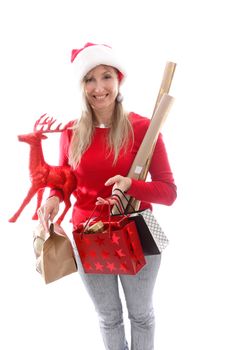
(119, 97)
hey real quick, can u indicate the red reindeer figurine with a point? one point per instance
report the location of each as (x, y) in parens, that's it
(42, 174)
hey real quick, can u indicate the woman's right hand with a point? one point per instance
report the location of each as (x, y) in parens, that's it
(50, 209)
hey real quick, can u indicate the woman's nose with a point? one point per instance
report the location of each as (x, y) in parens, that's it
(98, 86)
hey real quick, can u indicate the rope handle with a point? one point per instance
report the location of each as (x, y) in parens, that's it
(119, 205)
(125, 197)
(92, 213)
(91, 216)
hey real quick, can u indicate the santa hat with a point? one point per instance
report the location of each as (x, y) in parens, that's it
(92, 55)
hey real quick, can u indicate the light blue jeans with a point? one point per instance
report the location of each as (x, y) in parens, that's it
(138, 291)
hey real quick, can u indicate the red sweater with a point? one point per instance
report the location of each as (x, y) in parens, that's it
(96, 167)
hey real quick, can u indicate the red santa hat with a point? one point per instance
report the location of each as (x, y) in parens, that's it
(92, 55)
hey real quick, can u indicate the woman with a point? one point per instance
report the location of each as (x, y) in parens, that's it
(100, 148)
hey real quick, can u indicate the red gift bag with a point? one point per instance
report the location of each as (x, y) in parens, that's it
(114, 249)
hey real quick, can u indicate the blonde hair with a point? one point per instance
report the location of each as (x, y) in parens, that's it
(121, 132)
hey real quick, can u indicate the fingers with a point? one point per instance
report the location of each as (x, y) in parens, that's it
(45, 212)
(118, 181)
(42, 218)
(102, 201)
(113, 180)
(49, 210)
(52, 216)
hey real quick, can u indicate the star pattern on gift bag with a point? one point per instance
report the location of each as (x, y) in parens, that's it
(119, 253)
(92, 253)
(82, 254)
(111, 266)
(99, 267)
(111, 252)
(87, 266)
(115, 239)
(105, 254)
(123, 267)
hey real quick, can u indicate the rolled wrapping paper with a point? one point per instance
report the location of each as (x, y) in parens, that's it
(164, 89)
(151, 136)
(166, 81)
(141, 164)
(147, 145)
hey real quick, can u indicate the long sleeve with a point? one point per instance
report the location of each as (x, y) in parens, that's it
(161, 189)
(63, 159)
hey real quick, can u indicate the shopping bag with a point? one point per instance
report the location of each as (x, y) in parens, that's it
(152, 236)
(109, 245)
(54, 253)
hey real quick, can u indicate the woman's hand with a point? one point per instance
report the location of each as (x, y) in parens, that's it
(118, 181)
(50, 209)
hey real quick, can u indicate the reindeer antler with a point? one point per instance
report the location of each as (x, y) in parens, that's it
(45, 123)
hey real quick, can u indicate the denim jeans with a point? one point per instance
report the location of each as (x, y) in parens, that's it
(138, 292)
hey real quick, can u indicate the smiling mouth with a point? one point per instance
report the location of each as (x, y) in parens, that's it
(101, 97)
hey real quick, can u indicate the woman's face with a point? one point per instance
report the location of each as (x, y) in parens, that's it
(101, 87)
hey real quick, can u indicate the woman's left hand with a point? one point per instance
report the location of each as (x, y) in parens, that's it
(118, 181)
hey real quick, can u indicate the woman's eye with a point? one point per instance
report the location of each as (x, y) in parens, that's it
(107, 76)
(88, 80)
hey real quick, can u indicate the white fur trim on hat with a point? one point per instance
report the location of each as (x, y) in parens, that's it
(92, 56)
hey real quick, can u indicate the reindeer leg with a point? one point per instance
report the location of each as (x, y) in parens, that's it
(27, 199)
(39, 201)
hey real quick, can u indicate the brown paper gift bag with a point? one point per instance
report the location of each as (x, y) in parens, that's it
(54, 252)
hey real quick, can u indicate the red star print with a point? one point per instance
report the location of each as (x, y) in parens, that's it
(123, 267)
(87, 266)
(131, 228)
(92, 253)
(130, 232)
(119, 253)
(105, 254)
(98, 266)
(99, 240)
(115, 238)
(111, 266)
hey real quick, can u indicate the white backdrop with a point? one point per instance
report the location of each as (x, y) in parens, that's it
(193, 295)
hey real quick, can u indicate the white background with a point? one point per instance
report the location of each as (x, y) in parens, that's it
(193, 295)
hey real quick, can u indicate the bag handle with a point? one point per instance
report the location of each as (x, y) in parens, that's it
(125, 197)
(119, 205)
(92, 213)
